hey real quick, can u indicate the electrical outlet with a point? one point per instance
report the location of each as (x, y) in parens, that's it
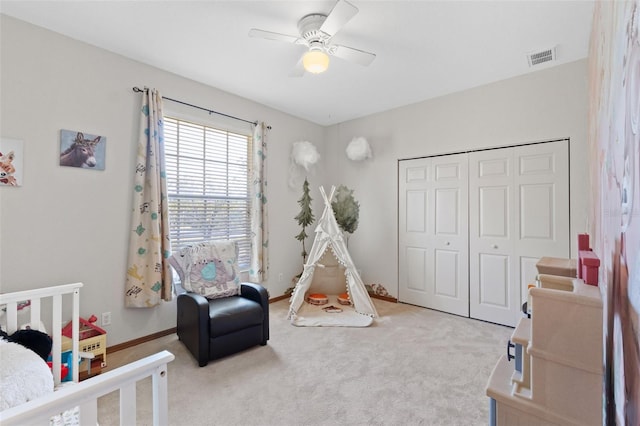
(280, 277)
(106, 318)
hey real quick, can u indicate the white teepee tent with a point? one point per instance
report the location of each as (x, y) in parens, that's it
(329, 237)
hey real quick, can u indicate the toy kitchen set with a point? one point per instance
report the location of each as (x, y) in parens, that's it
(552, 371)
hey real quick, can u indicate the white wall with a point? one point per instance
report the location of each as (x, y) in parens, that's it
(545, 105)
(66, 224)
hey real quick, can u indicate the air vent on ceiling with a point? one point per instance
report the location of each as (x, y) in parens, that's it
(541, 56)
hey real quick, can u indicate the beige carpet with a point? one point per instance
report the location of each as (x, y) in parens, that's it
(414, 366)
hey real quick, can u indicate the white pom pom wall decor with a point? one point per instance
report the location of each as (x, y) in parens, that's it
(304, 154)
(358, 149)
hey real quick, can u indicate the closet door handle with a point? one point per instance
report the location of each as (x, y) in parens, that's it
(447, 243)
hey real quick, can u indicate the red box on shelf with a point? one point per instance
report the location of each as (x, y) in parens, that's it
(589, 264)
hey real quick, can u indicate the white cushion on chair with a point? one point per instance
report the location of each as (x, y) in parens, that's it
(209, 269)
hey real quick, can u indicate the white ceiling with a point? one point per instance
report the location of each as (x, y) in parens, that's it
(424, 49)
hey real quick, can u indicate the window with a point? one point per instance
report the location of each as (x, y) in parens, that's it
(208, 185)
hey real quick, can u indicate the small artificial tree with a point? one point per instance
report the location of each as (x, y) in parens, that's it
(346, 210)
(304, 218)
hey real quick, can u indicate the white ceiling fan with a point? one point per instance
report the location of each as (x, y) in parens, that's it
(316, 31)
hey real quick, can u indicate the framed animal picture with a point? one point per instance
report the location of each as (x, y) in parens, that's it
(11, 162)
(79, 149)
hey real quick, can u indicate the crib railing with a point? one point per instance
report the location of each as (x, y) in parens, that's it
(36, 296)
(85, 395)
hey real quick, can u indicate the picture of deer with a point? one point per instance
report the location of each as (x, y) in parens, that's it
(83, 152)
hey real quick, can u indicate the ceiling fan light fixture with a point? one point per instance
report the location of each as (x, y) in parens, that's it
(315, 61)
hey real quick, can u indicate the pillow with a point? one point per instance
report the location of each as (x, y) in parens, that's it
(209, 269)
(24, 376)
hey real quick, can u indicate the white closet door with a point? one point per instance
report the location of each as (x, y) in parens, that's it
(519, 199)
(415, 225)
(433, 230)
(542, 182)
(492, 264)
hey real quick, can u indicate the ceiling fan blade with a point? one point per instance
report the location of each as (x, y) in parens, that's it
(254, 32)
(298, 69)
(352, 55)
(341, 13)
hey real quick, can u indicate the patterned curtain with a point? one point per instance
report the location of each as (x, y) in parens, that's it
(259, 268)
(148, 273)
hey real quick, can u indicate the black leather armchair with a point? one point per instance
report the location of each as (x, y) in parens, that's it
(215, 328)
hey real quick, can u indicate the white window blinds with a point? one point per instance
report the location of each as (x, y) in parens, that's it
(207, 182)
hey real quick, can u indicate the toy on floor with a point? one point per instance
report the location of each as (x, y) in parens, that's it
(318, 299)
(343, 299)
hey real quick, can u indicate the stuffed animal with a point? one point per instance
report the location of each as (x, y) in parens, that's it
(35, 340)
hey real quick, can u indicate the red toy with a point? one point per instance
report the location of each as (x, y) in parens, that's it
(588, 262)
(87, 328)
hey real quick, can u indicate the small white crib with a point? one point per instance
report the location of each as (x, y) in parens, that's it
(83, 395)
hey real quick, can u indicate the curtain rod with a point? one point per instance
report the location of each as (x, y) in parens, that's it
(210, 111)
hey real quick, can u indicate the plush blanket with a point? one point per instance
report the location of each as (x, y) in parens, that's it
(23, 375)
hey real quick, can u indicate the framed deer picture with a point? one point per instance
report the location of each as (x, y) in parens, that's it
(79, 149)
